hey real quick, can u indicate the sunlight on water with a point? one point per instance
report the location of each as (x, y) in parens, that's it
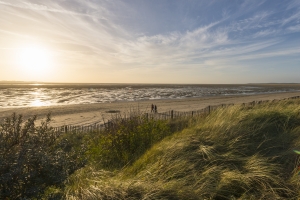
(37, 103)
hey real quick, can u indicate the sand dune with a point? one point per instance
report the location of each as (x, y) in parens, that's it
(92, 113)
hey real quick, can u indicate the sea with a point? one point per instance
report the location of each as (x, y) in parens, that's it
(14, 95)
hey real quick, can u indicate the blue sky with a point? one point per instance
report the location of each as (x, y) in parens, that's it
(153, 41)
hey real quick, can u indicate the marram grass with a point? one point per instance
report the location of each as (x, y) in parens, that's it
(236, 152)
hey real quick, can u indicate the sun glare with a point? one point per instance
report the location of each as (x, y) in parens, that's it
(34, 60)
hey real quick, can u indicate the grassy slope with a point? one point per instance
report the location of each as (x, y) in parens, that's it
(234, 153)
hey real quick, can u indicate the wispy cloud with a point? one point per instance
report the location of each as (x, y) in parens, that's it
(275, 53)
(38, 7)
(295, 28)
(265, 33)
(294, 17)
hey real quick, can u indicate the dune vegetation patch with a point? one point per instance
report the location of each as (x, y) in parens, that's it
(235, 152)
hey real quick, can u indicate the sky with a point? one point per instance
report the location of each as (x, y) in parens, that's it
(150, 41)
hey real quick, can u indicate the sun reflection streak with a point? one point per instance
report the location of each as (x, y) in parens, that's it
(37, 102)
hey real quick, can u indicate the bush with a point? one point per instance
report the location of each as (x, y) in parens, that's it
(33, 158)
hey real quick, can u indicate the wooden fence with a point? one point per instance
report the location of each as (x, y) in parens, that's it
(169, 115)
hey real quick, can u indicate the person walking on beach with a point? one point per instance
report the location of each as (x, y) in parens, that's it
(152, 108)
(155, 108)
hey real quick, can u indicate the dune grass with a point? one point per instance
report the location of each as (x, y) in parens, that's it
(237, 152)
(35, 161)
(234, 153)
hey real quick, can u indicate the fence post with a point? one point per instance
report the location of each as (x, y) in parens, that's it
(208, 109)
(172, 114)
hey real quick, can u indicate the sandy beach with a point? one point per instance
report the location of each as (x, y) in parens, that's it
(85, 114)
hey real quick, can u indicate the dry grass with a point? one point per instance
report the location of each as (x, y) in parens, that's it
(235, 153)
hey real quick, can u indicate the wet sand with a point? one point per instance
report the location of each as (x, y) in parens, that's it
(85, 114)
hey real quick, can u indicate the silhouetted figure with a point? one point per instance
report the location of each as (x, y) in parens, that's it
(152, 108)
(155, 108)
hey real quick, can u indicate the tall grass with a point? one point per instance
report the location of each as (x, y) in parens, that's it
(238, 152)
(35, 161)
(235, 153)
(127, 138)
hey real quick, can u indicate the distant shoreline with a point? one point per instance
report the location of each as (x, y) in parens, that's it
(30, 84)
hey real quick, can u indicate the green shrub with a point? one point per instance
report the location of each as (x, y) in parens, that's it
(33, 158)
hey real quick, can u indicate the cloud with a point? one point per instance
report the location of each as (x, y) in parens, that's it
(257, 21)
(212, 41)
(38, 7)
(294, 29)
(293, 18)
(271, 54)
(293, 4)
(265, 33)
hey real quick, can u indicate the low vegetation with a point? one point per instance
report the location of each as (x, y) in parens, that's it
(35, 161)
(32, 158)
(237, 152)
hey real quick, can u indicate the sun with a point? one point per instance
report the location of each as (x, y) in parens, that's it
(34, 60)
